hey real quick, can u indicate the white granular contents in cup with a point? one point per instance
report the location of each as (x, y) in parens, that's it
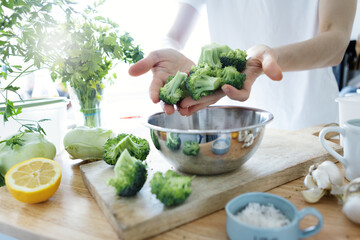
(265, 216)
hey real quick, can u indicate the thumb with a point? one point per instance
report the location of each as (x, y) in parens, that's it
(271, 68)
(143, 66)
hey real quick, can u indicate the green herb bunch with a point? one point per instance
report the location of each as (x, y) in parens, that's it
(27, 32)
(92, 46)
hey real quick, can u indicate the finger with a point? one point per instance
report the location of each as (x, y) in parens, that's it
(183, 111)
(271, 68)
(159, 79)
(168, 109)
(236, 94)
(210, 99)
(144, 65)
(187, 102)
(193, 109)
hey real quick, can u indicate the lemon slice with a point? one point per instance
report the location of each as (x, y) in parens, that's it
(34, 180)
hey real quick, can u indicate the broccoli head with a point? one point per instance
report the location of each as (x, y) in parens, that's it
(210, 54)
(235, 58)
(191, 148)
(137, 147)
(204, 81)
(130, 175)
(231, 76)
(171, 188)
(172, 92)
(155, 139)
(173, 141)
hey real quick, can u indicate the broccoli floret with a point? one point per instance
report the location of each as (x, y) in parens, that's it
(155, 139)
(231, 76)
(191, 148)
(235, 58)
(130, 175)
(210, 54)
(171, 188)
(204, 81)
(218, 65)
(185, 91)
(173, 141)
(137, 147)
(172, 92)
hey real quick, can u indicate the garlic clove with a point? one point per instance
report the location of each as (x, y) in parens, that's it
(337, 190)
(313, 195)
(309, 182)
(352, 189)
(333, 172)
(351, 208)
(321, 178)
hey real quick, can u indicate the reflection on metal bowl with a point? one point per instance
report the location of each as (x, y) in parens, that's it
(188, 142)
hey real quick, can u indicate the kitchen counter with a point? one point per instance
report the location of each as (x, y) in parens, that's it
(72, 213)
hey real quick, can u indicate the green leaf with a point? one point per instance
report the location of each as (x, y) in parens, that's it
(14, 140)
(18, 110)
(110, 41)
(11, 88)
(53, 76)
(44, 120)
(100, 18)
(18, 67)
(8, 4)
(47, 7)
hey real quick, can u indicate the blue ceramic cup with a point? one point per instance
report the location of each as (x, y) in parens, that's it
(238, 230)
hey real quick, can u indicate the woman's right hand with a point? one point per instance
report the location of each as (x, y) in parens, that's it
(163, 63)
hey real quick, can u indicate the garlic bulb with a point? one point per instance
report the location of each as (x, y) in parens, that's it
(351, 206)
(246, 137)
(242, 135)
(322, 178)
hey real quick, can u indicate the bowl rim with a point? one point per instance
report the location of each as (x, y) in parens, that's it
(269, 117)
(249, 195)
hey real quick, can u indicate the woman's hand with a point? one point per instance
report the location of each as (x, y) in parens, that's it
(163, 63)
(261, 59)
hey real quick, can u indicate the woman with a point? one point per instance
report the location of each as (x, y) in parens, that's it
(294, 41)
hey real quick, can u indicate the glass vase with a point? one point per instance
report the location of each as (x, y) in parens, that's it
(86, 102)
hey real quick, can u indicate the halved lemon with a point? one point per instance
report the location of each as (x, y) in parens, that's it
(34, 180)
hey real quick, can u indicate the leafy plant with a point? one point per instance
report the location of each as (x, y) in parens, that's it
(92, 46)
(27, 30)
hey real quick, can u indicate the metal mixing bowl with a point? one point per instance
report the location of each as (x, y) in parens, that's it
(213, 140)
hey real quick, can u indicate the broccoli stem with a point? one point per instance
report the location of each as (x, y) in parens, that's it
(209, 83)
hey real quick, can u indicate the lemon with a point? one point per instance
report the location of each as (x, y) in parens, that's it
(34, 180)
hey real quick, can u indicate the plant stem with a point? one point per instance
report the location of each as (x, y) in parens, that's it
(19, 75)
(89, 103)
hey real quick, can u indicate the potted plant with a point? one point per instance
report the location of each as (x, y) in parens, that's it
(91, 47)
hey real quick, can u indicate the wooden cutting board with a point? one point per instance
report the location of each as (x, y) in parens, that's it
(282, 157)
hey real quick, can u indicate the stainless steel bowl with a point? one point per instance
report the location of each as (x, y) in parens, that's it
(214, 140)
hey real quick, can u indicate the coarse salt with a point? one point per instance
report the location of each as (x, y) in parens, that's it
(265, 216)
(220, 145)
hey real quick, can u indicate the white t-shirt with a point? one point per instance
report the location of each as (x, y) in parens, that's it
(301, 99)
